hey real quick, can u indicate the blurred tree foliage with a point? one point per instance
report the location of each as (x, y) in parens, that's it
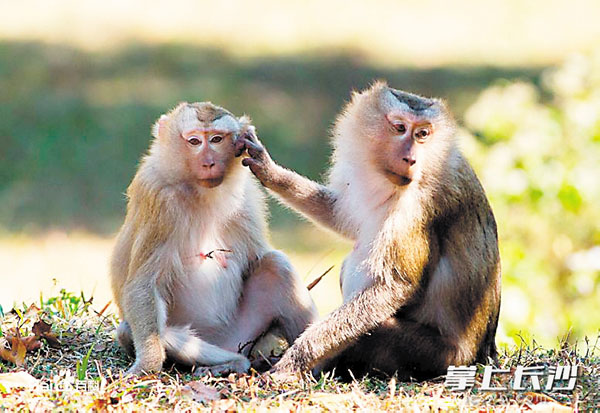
(73, 124)
(538, 154)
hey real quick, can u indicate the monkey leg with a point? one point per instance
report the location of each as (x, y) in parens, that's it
(125, 338)
(184, 346)
(154, 340)
(403, 347)
(273, 293)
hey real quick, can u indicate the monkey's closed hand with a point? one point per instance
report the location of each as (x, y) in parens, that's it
(259, 161)
(283, 374)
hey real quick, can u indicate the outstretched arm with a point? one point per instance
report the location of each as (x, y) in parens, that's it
(352, 320)
(315, 201)
(395, 271)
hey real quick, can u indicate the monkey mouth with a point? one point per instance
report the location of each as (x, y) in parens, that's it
(397, 179)
(405, 180)
(210, 182)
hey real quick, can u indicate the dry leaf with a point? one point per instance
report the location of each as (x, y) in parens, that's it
(16, 354)
(101, 404)
(200, 392)
(44, 330)
(32, 310)
(31, 343)
(20, 379)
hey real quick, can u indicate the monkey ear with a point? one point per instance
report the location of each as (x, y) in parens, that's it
(160, 125)
(246, 126)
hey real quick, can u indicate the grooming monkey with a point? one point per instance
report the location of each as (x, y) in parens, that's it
(421, 288)
(192, 272)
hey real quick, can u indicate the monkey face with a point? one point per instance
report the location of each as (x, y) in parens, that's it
(405, 137)
(405, 126)
(210, 153)
(199, 141)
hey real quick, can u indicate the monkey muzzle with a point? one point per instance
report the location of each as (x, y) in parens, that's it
(399, 179)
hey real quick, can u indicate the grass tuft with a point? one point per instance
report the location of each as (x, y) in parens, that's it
(83, 370)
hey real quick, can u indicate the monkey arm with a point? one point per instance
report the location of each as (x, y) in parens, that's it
(396, 265)
(144, 310)
(313, 200)
(357, 317)
(148, 223)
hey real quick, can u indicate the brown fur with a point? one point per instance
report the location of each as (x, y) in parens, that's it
(175, 301)
(422, 286)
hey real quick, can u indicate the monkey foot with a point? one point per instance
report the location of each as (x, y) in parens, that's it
(237, 366)
(261, 364)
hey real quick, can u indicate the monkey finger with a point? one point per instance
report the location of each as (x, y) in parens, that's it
(283, 376)
(252, 163)
(240, 147)
(254, 150)
(251, 136)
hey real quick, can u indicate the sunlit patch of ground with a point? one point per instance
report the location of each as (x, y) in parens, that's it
(78, 366)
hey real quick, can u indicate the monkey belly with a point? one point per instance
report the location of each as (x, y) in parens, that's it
(208, 299)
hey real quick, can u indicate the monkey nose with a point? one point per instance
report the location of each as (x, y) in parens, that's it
(410, 161)
(208, 165)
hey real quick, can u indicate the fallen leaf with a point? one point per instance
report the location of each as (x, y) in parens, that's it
(44, 330)
(31, 343)
(200, 392)
(20, 379)
(101, 404)
(32, 310)
(16, 354)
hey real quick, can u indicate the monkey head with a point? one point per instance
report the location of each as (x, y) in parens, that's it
(402, 131)
(198, 142)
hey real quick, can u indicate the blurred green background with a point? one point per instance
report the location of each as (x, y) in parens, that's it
(81, 84)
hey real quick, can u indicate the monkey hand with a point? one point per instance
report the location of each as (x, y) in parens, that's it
(259, 160)
(284, 374)
(138, 370)
(286, 370)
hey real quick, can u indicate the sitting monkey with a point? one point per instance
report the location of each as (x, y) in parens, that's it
(422, 286)
(192, 272)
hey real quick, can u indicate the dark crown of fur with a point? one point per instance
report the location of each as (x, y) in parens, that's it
(414, 102)
(207, 112)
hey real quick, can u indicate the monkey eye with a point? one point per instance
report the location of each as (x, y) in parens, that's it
(421, 134)
(193, 141)
(216, 139)
(400, 127)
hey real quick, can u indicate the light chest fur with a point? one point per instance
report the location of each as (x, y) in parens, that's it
(383, 216)
(202, 279)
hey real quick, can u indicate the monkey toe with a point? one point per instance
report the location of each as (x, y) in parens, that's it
(240, 366)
